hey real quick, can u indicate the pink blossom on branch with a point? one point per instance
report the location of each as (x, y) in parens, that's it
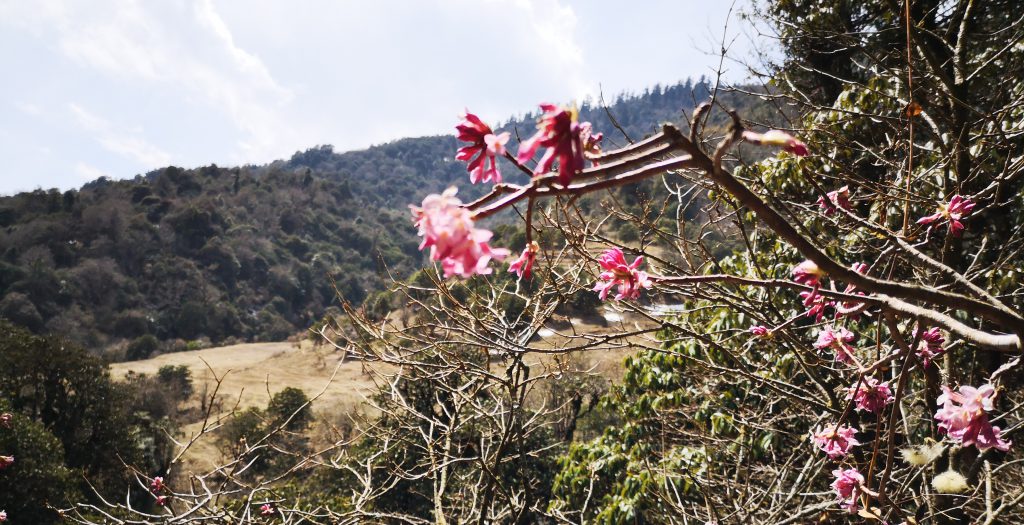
(448, 230)
(964, 417)
(591, 141)
(557, 130)
(629, 278)
(835, 442)
(483, 150)
(838, 341)
(808, 273)
(761, 331)
(931, 345)
(523, 266)
(157, 484)
(836, 199)
(778, 138)
(955, 210)
(815, 303)
(872, 395)
(847, 486)
(850, 308)
(266, 509)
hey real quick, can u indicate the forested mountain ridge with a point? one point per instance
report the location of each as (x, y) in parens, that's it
(216, 254)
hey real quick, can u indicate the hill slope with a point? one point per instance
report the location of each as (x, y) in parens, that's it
(249, 253)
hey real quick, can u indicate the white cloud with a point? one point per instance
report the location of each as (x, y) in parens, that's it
(126, 85)
(29, 108)
(183, 46)
(554, 35)
(87, 172)
(122, 142)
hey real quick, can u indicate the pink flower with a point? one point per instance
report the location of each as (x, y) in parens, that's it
(860, 268)
(931, 345)
(851, 308)
(871, 396)
(266, 509)
(558, 131)
(775, 137)
(161, 500)
(157, 484)
(808, 273)
(836, 199)
(835, 442)
(448, 230)
(838, 341)
(957, 208)
(628, 276)
(760, 331)
(3, 515)
(816, 304)
(485, 146)
(591, 141)
(963, 417)
(523, 266)
(6, 461)
(847, 485)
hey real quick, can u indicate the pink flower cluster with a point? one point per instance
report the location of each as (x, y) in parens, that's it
(761, 331)
(558, 130)
(836, 199)
(778, 138)
(871, 396)
(835, 442)
(629, 278)
(266, 509)
(447, 227)
(810, 274)
(483, 150)
(448, 230)
(815, 303)
(838, 341)
(156, 486)
(964, 417)
(847, 486)
(931, 345)
(952, 212)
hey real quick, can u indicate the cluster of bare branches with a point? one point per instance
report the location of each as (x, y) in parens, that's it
(781, 289)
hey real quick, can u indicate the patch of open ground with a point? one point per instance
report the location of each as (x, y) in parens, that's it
(251, 373)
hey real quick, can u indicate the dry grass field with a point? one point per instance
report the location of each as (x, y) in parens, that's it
(250, 374)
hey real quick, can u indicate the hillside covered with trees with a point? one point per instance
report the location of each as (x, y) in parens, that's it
(181, 258)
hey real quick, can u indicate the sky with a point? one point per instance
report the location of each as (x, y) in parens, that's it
(121, 87)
